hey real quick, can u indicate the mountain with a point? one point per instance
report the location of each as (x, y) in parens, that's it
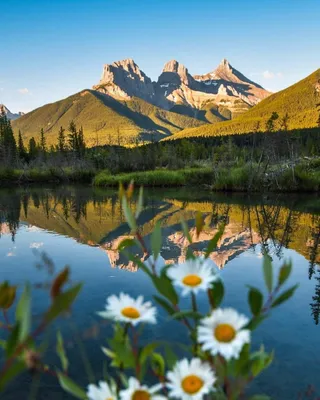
(126, 105)
(219, 95)
(299, 101)
(104, 119)
(8, 113)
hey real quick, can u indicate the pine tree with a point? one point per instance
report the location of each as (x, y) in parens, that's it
(73, 137)
(43, 145)
(8, 146)
(271, 121)
(81, 143)
(61, 140)
(33, 150)
(22, 153)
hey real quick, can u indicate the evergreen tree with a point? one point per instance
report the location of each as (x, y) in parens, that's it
(33, 150)
(8, 146)
(81, 143)
(61, 140)
(270, 123)
(21, 149)
(318, 122)
(73, 137)
(43, 144)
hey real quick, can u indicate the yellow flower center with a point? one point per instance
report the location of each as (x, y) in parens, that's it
(192, 384)
(192, 280)
(140, 395)
(130, 312)
(224, 333)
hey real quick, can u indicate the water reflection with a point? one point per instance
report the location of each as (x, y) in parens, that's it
(95, 218)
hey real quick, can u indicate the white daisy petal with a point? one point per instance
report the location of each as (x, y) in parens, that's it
(190, 380)
(136, 391)
(193, 275)
(101, 392)
(223, 333)
(126, 309)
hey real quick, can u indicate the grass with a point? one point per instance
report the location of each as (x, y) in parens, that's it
(45, 175)
(247, 178)
(161, 178)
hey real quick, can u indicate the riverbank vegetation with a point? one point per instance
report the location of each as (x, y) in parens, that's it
(280, 160)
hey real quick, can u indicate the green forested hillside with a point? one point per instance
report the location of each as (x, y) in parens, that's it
(299, 101)
(104, 120)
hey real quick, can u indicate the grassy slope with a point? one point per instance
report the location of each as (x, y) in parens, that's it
(299, 101)
(101, 116)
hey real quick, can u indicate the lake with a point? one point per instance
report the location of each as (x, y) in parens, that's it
(82, 227)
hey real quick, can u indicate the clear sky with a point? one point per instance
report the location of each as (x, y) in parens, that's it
(53, 48)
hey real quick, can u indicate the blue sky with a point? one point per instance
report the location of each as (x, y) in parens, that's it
(52, 49)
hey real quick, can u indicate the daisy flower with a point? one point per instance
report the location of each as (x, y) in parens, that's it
(136, 391)
(190, 380)
(192, 275)
(101, 392)
(222, 333)
(126, 309)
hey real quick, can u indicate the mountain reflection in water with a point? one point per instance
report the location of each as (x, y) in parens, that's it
(95, 218)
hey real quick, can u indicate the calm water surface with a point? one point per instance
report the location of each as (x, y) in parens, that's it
(82, 227)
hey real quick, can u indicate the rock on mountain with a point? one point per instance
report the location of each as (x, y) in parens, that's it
(123, 80)
(8, 113)
(218, 95)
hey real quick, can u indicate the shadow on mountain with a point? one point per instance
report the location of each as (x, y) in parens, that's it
(142, 121)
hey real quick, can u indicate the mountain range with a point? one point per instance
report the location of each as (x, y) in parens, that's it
(225, 92)
(126, 106)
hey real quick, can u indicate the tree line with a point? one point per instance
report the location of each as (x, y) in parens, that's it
(70, 143)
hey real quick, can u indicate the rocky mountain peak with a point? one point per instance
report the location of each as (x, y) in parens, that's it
(8, 113)
(124, 79)
(224, 85)
(175, 72)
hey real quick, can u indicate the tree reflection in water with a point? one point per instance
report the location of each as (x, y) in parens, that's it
(94, 217)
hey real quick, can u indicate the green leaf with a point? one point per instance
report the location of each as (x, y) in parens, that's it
(284, 273)
(158, 364)
(187, 314)
(147, 352)
(156, 240)
(185, 230)
(61, 352)
(13, 340)
(285, 296)
(216, 293)
(71, 387)
(255, 322)
(260, 397)
(199, 222)
(3, 343)
(140, 202)
(165, 287)
(164, 304)
(268, 272)
(14, 370)
(126, 243)
(255, 299)
(23, 313)
(170, 357)
(212, 245)
(108, 352)
(128, 214)
(62, 302)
